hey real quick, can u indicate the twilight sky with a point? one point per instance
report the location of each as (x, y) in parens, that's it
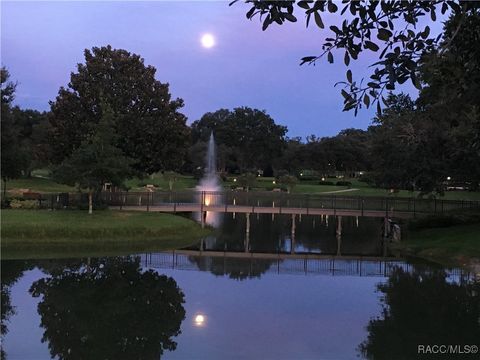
(41, 43)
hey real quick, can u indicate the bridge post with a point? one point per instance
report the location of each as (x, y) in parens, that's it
(148, 201)
(386, 227)
(307, 197)
(174, 202)
(292, 239)
(339, 226)
(203, 216)
(339, 236)
(202, 200)
(363, 202)
(247, 233)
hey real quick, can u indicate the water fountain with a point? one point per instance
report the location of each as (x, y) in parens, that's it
(209, 183)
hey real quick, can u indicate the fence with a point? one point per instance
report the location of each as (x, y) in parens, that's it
(278, 200)
(285, 200)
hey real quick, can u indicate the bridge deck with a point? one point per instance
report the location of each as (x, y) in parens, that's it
(264, 210)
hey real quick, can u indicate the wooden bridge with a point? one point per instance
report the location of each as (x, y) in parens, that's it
(281, 203)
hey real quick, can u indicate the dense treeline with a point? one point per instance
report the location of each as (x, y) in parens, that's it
(114, 111)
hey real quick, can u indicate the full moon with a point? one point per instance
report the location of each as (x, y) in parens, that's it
(208, 41)
(199, 320)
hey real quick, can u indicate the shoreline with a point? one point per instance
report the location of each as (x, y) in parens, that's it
(74, 232)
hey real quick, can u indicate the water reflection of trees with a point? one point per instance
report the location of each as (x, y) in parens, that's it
(234, 268)
(11, 271)
(108, 309)
(422, 308)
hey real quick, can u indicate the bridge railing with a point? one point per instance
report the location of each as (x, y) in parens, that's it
(284, 200)
(277, 200)
(258, 266)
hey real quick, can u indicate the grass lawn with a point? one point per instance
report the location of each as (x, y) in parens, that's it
(455, 245)
(44, 184)
(36, 233)
(36, 184)
(182, 182)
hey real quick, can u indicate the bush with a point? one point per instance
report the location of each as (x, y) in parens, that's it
(24, 204)
(331, 183)
(344, 183)
(287, 181)
(441, 221)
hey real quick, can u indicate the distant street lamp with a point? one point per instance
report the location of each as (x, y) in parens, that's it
(449, 178)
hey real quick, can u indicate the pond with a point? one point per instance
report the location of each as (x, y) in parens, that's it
(259, 288)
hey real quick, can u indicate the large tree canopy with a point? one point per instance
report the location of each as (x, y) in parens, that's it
(391, 28)
(150, 128)
(96, 161)
(14, 157)
(423, 143)
(248, 139)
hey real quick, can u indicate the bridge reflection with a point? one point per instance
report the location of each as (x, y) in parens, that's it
(247, 265)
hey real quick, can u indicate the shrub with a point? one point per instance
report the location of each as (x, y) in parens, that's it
(344, 183)
(24, 204)
(326, 183)
(441, 221)
(287, 181)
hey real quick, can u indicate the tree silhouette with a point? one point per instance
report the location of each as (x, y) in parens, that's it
(422, 308)
(11, 271)
(390, 28)
(109, 309)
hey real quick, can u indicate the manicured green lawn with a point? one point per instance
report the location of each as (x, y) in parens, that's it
(38, 184)
(182, 182)
(450, 245)
(35, 232)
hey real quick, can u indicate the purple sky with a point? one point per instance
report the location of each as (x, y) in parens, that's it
(42, 42)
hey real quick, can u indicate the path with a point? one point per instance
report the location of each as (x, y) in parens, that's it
(339, 191)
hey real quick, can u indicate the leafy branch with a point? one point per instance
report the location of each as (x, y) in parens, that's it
(390, 25)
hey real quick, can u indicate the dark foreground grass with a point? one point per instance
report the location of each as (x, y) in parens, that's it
(457, 245)
(43, 233)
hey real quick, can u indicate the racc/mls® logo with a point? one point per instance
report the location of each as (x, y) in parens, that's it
(447, 349)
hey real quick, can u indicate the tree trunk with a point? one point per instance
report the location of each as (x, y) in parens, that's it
(90, 202)
(4, 199)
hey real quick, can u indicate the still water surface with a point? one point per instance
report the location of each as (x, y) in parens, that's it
(265, 293)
